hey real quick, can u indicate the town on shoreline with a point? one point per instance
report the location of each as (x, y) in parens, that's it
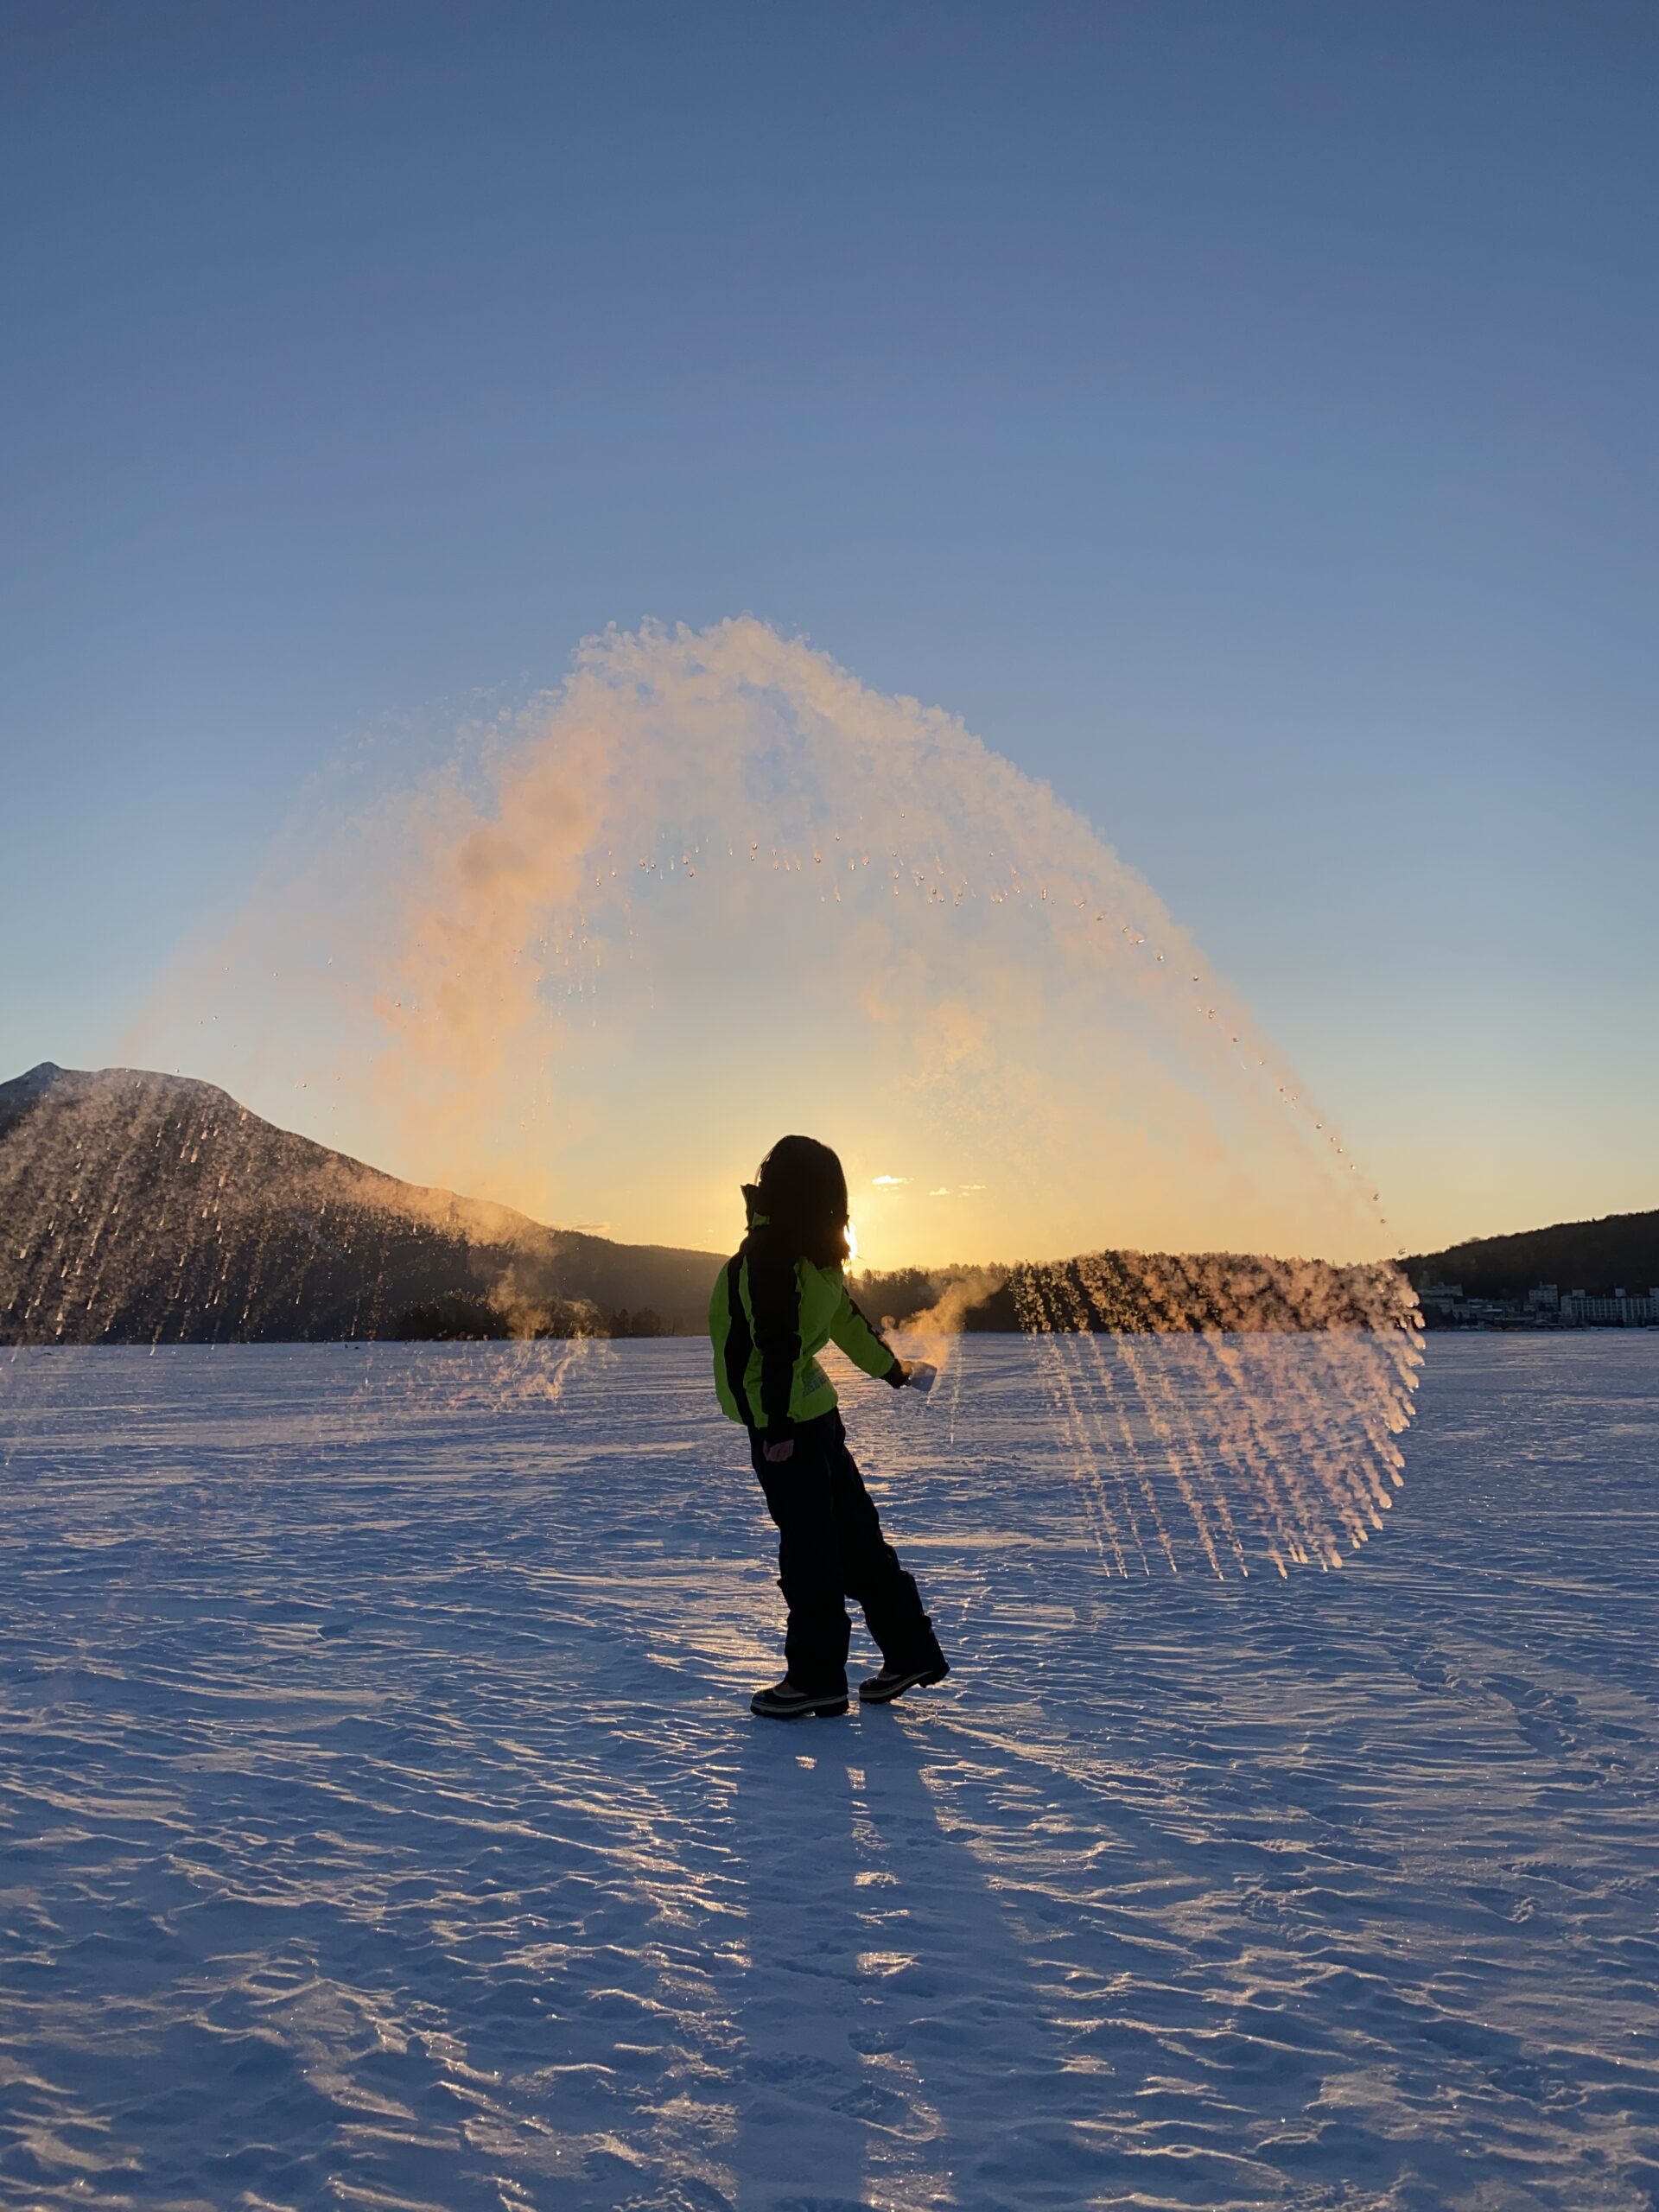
(1545, 1306)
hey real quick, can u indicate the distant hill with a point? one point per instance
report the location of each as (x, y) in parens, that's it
(137, 1208)
(1619, 1252)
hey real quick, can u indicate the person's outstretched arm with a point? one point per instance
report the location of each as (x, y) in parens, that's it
(865, 1346)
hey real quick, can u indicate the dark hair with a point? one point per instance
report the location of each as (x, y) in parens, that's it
(802, 1191)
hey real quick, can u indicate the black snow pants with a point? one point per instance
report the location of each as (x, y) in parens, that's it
(830, 1547)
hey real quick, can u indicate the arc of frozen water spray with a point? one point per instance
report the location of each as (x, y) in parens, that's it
(672, 769)
(1084, 1324)
(1036, 1319)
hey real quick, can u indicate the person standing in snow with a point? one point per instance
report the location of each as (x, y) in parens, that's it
(778, 1301)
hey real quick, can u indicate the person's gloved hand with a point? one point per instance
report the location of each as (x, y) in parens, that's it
(778, 1449)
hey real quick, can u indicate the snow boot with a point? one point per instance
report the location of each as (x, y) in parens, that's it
(783, 1702)
(893, 1681)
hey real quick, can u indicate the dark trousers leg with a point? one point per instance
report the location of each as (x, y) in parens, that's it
(830, 1547)
(800, 1499)
(871, 1574)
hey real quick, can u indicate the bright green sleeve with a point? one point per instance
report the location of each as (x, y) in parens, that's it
(861, 1345)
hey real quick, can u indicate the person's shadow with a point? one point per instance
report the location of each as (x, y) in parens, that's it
(893, 2031)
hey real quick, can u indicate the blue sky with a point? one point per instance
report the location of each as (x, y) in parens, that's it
(1242, 415)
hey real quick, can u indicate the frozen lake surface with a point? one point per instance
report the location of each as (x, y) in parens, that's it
(384, 1826)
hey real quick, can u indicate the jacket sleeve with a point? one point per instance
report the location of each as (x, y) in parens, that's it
(863, 1345)
(775, 1303)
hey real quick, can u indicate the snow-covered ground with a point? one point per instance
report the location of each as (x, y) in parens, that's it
(384, 1825)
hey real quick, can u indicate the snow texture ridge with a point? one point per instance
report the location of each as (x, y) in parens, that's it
(386, 1828)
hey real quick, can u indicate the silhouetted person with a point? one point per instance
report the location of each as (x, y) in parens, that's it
(777, 1303)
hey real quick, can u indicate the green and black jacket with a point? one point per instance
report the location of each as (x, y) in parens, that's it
(770, 1317)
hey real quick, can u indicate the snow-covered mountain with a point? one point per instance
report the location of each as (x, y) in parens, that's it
(143, 1208)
